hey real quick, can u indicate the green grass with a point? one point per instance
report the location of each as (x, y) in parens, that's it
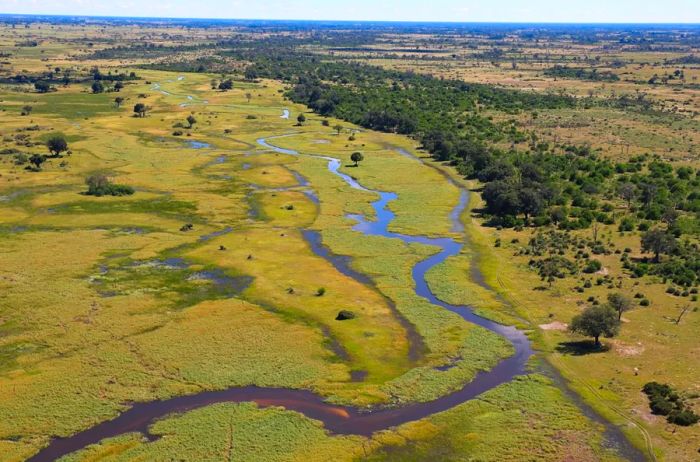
(230, 432)
(66, 105)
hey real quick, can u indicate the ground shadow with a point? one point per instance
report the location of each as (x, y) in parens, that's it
(584, 347)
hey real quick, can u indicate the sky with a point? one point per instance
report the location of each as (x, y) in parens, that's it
(620, 11)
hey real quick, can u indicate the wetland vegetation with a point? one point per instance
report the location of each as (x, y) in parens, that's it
(309, 241)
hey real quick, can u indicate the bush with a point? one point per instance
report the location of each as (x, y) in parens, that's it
(684, 418)
(663, 400)
(593, 266)
(100, 185)
(660, 406)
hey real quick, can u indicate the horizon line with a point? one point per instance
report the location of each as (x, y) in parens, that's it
(407, 21)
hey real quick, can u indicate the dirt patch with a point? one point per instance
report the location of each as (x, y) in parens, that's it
(626, 350)
(556, 325)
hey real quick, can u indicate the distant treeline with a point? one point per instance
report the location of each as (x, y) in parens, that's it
(526, 182)
(578, 73)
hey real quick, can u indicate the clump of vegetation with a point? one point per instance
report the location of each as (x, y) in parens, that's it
(140, 109)
(554, 267)
(57, 145)
(43, 87)
(36, 161)
(664, 400)
(97, 87)
(578, 73)
(345, 315)
(226, 85)
(100, 185)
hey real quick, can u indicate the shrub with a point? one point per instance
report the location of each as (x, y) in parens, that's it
(685, 418)
(592, 266)
(663, 400)
(100, 185)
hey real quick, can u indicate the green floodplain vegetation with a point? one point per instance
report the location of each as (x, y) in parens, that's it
(106, 301)
(92, 318)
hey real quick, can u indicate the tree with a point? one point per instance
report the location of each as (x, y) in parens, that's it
(226, 85)
(501, 198)
(191, 120)
(649, 192)
(531, 202)
(42, 87)
(596, 321)
(99, 185)
(251, 74)
(248, 96)
(37, 160)
(684, 310)
(57, 145)
(628, 191)
(26, 110)
(338, 128)
(97, 87)
(140, 109)
(118, 86)
(658, 241)
(301, 119)
(118, 101)
(357, 157)
(619, 303)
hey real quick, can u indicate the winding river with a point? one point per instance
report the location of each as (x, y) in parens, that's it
(337, 419)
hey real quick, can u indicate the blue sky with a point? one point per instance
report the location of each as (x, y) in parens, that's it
(686, 11)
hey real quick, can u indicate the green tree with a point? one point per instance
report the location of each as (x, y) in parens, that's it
(620, 303)
(140, 109)
(118, 86)
(118, 101)
(338, 128)
(191, 120)
(42, 87)
(357, 157)
(251, 74)
(596, 321)
(37, 160)
(97, 87)
(531, 202)
(57, 145)
(301, 119)
(226, 85)
(658, 241)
